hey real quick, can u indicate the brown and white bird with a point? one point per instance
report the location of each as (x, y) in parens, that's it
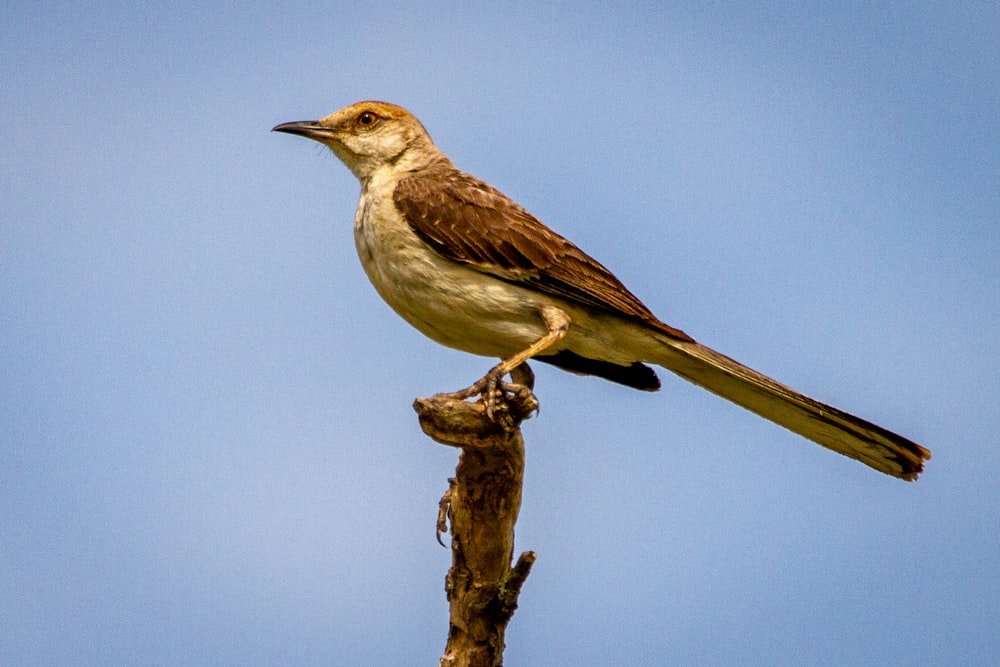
(475, 271)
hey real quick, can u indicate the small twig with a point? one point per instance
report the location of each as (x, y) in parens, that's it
(512, 587)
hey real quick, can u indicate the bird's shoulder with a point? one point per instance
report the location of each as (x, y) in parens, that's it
(470, 221)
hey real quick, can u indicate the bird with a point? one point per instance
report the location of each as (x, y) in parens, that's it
(475, 271)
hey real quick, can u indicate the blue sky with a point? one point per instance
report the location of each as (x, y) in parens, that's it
(207, 450)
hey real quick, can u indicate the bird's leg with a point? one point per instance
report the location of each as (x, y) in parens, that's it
(491, 386)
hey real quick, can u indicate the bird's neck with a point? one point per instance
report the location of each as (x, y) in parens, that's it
(419, 156)
(413, 159)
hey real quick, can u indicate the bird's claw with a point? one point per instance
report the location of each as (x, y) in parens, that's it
(498, 396)
(443, 506)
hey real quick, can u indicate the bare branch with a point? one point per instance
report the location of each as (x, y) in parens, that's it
(481, 506)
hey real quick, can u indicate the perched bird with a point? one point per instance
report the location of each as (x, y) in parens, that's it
(475, 271)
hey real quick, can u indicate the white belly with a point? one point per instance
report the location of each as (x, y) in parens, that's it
(450, 303)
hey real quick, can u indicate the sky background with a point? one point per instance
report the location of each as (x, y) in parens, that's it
(207, 450)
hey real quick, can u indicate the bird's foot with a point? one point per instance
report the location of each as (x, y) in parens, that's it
(503, 399)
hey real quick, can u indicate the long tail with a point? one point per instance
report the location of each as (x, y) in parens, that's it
(833, 428)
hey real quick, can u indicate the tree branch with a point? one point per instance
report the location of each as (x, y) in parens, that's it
(481, 504)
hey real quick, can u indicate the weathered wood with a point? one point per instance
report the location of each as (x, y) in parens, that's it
(481, 506)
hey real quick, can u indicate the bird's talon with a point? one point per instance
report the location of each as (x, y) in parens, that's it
(499, 398)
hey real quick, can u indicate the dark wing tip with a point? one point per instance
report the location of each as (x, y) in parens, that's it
(636, 375)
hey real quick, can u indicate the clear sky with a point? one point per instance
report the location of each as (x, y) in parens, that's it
(207, 450)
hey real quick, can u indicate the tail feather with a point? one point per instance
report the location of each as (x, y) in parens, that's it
(835, 429)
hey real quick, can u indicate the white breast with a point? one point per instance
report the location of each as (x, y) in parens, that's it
(452, 304)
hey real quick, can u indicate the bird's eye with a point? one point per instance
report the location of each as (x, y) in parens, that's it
(367, 119)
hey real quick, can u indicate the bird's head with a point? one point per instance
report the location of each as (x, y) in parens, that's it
(370, 135)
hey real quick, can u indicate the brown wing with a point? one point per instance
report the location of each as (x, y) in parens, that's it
(469, 221)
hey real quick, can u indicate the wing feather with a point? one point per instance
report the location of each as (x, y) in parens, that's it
(467, 220)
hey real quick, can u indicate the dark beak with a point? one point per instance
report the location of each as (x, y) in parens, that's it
(305, 128)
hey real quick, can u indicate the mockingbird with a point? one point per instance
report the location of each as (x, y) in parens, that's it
(473, 270)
